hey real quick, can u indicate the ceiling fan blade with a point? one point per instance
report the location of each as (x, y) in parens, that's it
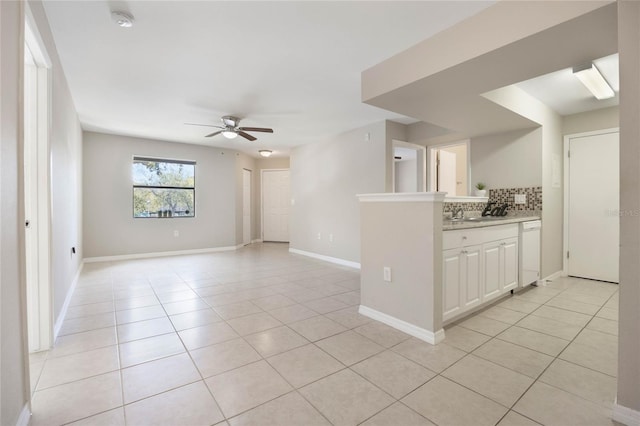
(203, 125)
(246, 135)
(256, 129)
(213, 134)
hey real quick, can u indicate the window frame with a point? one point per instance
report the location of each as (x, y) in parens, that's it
(140, 158)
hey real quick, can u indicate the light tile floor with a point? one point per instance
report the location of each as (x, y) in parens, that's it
(263, 337)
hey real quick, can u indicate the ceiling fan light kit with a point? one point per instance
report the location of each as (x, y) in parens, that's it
(122, 19)
(265, 153)
(231, 130)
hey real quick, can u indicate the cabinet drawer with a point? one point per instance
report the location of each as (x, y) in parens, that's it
(461, 238)
(501, 232)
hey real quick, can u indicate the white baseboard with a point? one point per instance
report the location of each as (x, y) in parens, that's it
(25, 416)
(335, 260)
(625, 415)
(63, 312)
(158, 254)
(553, 276)
(413, 330)
(257, 240)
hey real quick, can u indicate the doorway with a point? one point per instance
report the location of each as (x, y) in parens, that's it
(592, 202)
(275, 205)
(408, 167)
(37, 201)
(449, 168)
(246, 207)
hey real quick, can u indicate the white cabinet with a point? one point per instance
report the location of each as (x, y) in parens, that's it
(461, 280)
(500, 267)
(478, 266)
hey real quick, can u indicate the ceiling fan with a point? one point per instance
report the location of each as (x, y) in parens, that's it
(231, 130)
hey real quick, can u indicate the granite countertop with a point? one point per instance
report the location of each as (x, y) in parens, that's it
(448, 225)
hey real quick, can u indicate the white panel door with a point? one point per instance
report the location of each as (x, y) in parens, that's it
(471, 291)
(594, 200)
(452, 282)
(492, 270)
(246, 207)
(275, 205)
(447, 172)
(510, 264)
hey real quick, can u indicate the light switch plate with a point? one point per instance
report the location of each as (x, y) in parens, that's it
(520, 198)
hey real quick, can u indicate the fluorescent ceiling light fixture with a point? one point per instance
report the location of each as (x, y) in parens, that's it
(229, 134)
(594, 81)
(265, 152)
(122, 19)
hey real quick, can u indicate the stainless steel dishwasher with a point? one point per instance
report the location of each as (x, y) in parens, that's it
(529, 255)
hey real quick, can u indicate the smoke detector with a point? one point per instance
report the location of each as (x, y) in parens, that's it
(123, 19)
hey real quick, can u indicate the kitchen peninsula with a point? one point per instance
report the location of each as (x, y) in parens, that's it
(404, 245)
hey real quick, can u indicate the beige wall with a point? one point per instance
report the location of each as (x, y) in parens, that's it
(507, 160)
(629, 325)
(14, 386)
(109, 226)
(264, 164)
(325, 178)
(243, 161)
(406, 237)
(606, 118)
(66, 174)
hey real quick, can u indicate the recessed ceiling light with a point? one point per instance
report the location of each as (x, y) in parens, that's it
(265, 152)
(123, 19)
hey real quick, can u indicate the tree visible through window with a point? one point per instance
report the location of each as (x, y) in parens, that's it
(163, 188)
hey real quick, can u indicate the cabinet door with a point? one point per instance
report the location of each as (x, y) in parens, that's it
(471, 295)
(451, 280)
(492, 270)
(510, 264)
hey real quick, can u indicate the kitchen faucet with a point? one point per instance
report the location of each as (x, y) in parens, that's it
(457, 211)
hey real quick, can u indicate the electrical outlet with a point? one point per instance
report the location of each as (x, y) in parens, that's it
(330, 238)
(520, 198)
(176, 233)
(386, 272)
(319, 235)
(367, 137)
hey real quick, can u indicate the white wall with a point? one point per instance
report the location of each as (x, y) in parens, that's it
(325, 178)
(109, 226)
(14, 386)
(507, 160)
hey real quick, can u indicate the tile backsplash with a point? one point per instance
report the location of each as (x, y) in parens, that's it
(506, 195)
(467, 207)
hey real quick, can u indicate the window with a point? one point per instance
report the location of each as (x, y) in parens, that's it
(163, 188)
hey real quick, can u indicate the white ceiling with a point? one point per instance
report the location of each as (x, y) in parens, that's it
(292, 66)
(566, 95)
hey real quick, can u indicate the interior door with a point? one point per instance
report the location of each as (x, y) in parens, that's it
(447, 172)
(246, 207)
(275, 205)
(594, 200)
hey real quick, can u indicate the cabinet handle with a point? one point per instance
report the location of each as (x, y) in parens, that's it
(463, 252)
(464, 238)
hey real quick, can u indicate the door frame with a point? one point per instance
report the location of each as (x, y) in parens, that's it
(33, 41)
(565, 201)
(430, 160)
(421, 164)
(262, 171)
(244, 170)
